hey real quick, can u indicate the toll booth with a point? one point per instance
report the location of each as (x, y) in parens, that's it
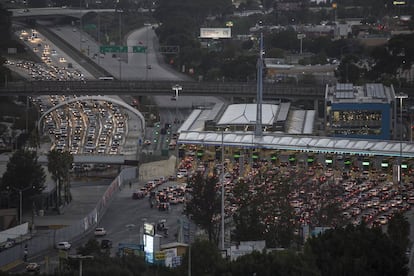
(385, 165)
(329, 161)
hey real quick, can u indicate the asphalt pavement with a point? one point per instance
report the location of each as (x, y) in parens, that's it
(86, 193)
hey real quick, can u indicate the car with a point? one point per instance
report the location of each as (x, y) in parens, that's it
(182, 173)
(9, 243)
(33, 267)
(149, 66)
(64, 245)
(139, 194)
(106, 244)
(100, 231)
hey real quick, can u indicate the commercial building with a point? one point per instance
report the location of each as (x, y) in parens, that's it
(365, 112)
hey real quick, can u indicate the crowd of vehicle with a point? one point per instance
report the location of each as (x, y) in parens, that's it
(359, 193)
(161, 196)
(92, 127)
(83, 127)
(54, 65)
(79, 127)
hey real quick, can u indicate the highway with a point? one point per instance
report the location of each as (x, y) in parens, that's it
(159, 87)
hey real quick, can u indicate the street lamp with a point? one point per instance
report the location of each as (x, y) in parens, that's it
(120, 68)
(80, 26)
(176, 88)
(147, 67)
(400, 96)
(21, 200)
(222, 189)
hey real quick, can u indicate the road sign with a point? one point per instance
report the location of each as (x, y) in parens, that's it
(113, 49)
(301, 36)
(159, 255)
(139, 49)
(89, 27)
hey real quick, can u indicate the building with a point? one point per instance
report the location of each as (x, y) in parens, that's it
(359, 111)
(276, 118)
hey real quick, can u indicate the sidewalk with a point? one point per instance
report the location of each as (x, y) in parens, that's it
(87, 194)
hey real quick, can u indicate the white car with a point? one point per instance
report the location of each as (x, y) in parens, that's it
(182, 173)
(33, 267)
(63, 245)
(100, 231)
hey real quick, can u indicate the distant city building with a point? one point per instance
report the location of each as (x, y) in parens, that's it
(279, 70)
(359, 111)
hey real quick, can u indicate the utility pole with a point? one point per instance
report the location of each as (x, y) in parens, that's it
(258, 130)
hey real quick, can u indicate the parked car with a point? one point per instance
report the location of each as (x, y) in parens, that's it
(100, 231)
(33, 267)
(63, 245)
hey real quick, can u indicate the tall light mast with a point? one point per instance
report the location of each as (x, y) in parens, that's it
(259, 100)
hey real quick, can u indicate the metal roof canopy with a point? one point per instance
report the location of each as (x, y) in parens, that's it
(245, 114)
(299, 142)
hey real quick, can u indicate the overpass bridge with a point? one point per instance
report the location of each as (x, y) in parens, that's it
(53, 12)
(153, 88)
(111, 159)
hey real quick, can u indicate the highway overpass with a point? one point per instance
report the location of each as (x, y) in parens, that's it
(153, 88)
(113, 159)
(50, 12)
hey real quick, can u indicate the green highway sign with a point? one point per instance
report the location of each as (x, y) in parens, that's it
(139, 49)
(89, 27)
(113, 49)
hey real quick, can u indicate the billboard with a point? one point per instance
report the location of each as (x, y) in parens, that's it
(215, 33)
(149, 229)
(149, 248)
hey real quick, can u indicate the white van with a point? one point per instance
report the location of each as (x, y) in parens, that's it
(63, 245)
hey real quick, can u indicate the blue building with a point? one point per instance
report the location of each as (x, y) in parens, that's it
(364, 112)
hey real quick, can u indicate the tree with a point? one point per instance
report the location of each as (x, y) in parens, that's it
(356, 250)
(396, 54)
(24, 174)
(59, 164)
(283, 263)
(348, 70)
(204, 206)
(265, 214)
(248, 220)
(205, 259)
(399, 230)
(5, 26)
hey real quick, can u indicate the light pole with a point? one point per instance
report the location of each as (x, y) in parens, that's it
(400, 96)
(222, 189)
(146, 51)
(120, 68)
(176, 88)
(80, 26)
(99, 35)
(21, 200)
